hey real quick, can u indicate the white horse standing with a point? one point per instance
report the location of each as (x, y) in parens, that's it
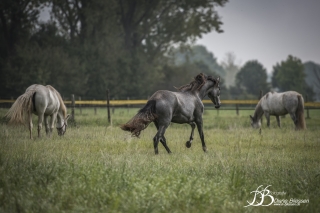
(280, 104)
(43, 101)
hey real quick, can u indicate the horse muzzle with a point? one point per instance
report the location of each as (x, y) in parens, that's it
(217, 102)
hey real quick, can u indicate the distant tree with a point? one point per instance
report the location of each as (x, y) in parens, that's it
(289, 75)
(312, 71)
(195, 54)
(231, 69)
(275, 71)
(252, 77)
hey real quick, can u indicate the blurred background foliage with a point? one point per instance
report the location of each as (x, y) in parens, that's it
(132, 47)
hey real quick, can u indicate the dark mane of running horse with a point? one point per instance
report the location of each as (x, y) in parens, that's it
(183, 106)
(43, 101)
(278, 104)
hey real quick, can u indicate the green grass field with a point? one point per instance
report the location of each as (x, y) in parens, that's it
(96, 167)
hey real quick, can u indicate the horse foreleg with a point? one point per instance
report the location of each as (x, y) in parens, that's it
(200, 130)
(52, 122)
(278, 121)
(268, 118)
(188, 143)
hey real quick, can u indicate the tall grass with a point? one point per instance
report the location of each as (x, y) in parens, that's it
(96, 167)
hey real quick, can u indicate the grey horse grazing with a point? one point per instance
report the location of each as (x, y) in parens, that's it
(184, 106)
(280, 104)
(43, 101)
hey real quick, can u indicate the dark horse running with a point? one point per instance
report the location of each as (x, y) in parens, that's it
(184, 106)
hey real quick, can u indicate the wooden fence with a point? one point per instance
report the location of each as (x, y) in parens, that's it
(131, 103)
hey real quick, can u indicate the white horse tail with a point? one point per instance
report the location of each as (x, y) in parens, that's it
(21, 108)
(301, 123)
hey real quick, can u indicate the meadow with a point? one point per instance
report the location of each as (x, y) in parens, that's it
(97, 167)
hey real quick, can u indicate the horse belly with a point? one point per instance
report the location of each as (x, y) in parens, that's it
(277, 109)
(180, 119)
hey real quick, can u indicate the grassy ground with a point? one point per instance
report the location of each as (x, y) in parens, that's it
(100, 168)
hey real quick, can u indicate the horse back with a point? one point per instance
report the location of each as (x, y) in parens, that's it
(280, 103)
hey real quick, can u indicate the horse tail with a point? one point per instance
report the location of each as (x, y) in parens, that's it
(142, 119)
(301, 123)
(21, 108)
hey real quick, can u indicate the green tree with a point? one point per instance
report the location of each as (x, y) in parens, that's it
(91, 45)
(17, 20)
(126, 41)
(289, 75)
(252, 78)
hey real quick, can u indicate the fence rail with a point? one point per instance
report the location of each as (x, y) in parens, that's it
(141, 102)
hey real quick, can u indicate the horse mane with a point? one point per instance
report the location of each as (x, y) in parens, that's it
(63, 107)
(194, 85)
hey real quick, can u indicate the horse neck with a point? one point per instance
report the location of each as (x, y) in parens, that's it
(203, 91)
(258, 112)
(60, 117)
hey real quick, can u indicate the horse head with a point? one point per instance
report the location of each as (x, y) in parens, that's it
(214, 92)
(63, 126)
(255, 123)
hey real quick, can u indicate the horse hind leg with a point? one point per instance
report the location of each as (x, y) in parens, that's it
(160, 137)
(30, 125)
(40, 121)
(188, 143)
(46, 125)
(164, 143)
(294, 118)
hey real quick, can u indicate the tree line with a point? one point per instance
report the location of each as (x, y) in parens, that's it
(131, 47)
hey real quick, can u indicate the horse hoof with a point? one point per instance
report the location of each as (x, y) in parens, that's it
(188, 144)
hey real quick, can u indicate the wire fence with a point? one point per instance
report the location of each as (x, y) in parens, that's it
(234, 105)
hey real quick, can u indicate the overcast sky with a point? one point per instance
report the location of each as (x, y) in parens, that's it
(267, 31)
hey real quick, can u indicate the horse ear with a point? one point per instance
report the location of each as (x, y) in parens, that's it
(251, 117)
(68, 116)
(218, 79)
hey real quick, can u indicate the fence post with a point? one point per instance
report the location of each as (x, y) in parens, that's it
(128, 105)
(307, 108)
(80, 106)
(95, 108)
(108, 106)
(72, 108)
(113, 108)
(237, 108)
